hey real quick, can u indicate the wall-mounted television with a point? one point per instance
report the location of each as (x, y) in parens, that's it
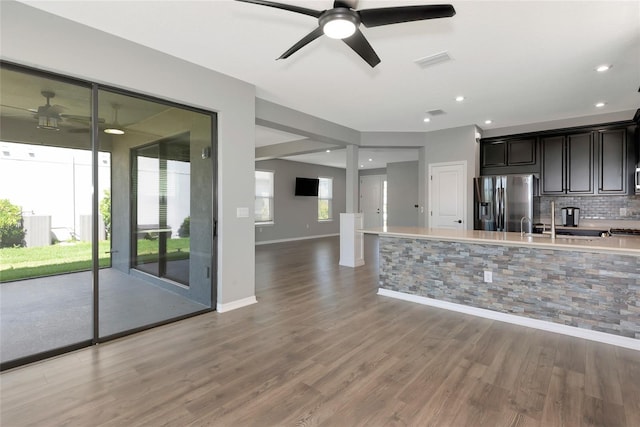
(307, 186)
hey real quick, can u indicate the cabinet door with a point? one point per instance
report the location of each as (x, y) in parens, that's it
(521, 151)
(580, 164)
(494, 154)
(612, 162)
(553, 169)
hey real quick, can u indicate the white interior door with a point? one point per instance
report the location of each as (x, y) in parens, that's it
(372, 200)
(447, 195)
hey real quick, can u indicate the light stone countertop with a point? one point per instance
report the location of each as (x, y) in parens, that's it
(620, 245)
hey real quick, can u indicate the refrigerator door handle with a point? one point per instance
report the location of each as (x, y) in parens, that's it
(496, 208)
(500, 203)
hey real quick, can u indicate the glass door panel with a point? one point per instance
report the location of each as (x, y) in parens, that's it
(161, 210)
(99, 240)
(45, 215)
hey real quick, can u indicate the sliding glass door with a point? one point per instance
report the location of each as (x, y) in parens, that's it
(45, 215)
(106, 213)
(161, 194)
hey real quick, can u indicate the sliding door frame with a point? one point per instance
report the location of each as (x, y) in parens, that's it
(212, 154)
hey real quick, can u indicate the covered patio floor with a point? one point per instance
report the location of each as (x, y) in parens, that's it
(43, 314)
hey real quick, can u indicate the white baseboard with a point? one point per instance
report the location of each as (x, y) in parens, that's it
(293, 239)
(223, 308)
(602, 337)
(351, 263)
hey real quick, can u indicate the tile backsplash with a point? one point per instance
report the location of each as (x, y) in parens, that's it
(595, 207)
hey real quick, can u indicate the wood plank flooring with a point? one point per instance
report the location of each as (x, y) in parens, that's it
(321, 348)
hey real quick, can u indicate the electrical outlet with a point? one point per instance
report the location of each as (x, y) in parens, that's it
(488, 277)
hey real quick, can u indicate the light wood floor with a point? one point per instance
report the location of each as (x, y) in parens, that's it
(321, 348)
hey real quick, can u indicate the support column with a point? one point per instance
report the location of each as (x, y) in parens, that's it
(352, 179)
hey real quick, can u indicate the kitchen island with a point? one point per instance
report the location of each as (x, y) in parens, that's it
(586, 287)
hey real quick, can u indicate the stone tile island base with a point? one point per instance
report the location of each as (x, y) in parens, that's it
(587, 290)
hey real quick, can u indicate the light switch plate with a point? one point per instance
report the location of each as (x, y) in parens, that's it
(242, 212)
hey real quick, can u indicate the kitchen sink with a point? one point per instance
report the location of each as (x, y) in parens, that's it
(581, 232)
(566, 236)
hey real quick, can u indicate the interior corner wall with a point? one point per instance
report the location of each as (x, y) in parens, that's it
(296, 217)
(402, 194)
(451, 145)
(150, 72)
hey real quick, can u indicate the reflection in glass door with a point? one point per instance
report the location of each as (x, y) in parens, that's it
(161, 203)
(162, 212)
(45, 215)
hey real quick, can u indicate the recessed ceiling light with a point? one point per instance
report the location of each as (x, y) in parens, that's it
(371, 160)
(488, 122)
(328, 151)
(460, 98)
(361, 166)
(600, 104)
(426, 120)
(602, 68)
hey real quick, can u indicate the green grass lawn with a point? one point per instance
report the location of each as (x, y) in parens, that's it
(22, 263)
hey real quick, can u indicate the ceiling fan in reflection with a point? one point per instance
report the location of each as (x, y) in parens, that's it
(49, 116)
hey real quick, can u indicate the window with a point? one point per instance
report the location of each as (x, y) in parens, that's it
(264, 197)
(325, 196)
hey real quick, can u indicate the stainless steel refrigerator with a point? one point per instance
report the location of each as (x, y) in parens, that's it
(500, 202)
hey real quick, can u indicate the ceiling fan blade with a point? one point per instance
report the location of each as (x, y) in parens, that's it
(396, 15)
(305, 41)
(361, 46)
(77, 118)
(289, 7)
(29, 110)
(349, 4)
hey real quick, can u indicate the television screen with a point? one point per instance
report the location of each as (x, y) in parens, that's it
(307, 186)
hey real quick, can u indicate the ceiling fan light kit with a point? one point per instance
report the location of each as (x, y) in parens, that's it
(343, 21)
(47, 123)
(114, 131)
(48, 115)
(339, 23)
(115, 128)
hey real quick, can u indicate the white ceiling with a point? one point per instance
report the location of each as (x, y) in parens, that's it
(516, 62)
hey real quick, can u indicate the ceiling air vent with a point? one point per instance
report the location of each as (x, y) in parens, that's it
(436, 112)
(430, 60)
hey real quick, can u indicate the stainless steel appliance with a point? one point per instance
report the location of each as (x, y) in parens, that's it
(570, 216)
(500, 202)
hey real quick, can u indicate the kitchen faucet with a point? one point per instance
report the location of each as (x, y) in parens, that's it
(553, 220)
(521, 221)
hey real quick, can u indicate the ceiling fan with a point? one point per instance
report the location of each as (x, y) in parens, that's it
(48, 115)
(342, 22)
(114, 128)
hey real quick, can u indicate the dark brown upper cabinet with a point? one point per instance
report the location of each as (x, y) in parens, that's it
(567, 164)
(595, 162)
(493, 154)
(586, 160)
(521, 151)
(508, 152)
(612, 162)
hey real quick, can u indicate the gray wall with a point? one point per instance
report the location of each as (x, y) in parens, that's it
(402, 194)
(147, 71)
(450, 145)
(292, 214)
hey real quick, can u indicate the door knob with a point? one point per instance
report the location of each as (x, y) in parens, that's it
(458, 221)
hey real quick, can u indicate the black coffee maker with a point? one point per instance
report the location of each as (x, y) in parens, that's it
(570, 216)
